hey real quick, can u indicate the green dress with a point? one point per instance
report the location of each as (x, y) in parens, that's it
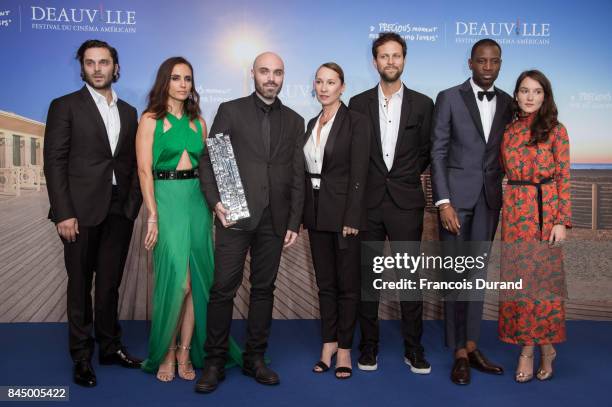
(184, 245)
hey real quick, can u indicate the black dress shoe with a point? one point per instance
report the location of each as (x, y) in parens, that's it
(479, 362)
(262, 373)
(211, 376)
(417, 362)
(83, 374)
(461, 371)
(121, 357)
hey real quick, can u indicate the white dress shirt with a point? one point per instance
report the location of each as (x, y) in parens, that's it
(486, 108)
(110, 116)
(313, 153)
(389, 113)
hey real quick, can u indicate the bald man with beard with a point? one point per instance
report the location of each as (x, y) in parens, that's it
(267, 138)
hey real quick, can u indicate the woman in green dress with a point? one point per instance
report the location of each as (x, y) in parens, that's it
(169, 142)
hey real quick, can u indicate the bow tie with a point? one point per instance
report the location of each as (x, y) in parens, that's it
(489, 94)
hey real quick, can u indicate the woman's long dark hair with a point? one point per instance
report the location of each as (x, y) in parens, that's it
(546, 116)
(158, 96)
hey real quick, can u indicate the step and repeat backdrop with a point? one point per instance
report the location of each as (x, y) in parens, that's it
(567, 40)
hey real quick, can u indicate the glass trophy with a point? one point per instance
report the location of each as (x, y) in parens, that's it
(227, 176)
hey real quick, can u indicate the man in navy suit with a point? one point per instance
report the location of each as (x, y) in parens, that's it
(468, 125)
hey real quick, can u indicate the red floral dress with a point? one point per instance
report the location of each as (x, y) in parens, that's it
(535, 314)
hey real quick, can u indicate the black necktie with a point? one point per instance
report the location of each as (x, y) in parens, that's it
(489, 94)
(265, 128)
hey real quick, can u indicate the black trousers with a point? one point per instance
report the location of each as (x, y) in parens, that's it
(100, 249)
(336, 262)
(231, 247)
(396, 224)
(462, 318)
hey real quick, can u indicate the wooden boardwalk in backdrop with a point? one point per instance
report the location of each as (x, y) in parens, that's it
(33, 279)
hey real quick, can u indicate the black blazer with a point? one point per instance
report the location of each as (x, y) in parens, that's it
(403, 181)
(462, 161)
(79, 164)
(343, 175)
(281, 176)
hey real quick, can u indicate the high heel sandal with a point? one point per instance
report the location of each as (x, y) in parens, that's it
(544, 374)
(322, 365)
(170, 374)
(344, 372)
(185, 372)
(341, 370)
(522, 377)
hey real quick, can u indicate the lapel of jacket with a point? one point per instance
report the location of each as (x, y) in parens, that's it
(310, 127)
(124, 120)
(404, 115)
(274, 148)
(333, 135)
(470, 102)
(375, 117)
(500, 110)
(94, 114)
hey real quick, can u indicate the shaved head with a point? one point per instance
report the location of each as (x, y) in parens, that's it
(268, 74)
(266, 58)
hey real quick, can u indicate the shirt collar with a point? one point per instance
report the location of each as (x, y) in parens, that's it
(476, 88)
(399, 94)
(261, 104)
(100, 99)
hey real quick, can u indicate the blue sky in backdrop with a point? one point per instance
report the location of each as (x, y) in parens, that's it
(567, 40)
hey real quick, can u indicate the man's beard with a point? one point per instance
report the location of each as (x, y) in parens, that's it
(268, 93)
(105, 85)
(390, 77)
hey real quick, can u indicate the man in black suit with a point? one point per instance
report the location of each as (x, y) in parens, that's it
(399, 153)
(90, 167)
(267, 141)
(468, 125)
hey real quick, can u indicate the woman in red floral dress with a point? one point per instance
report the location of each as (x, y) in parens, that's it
(536, 212)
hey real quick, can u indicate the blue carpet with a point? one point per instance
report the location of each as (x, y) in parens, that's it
(36, 354)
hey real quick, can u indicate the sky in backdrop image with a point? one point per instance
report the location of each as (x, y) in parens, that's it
(567, 40)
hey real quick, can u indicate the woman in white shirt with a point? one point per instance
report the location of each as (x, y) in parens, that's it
(336, 151)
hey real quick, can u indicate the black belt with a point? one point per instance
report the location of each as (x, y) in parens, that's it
(172, 174)
(538, 186)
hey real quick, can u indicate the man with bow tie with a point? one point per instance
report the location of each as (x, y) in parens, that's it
(468, 124)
